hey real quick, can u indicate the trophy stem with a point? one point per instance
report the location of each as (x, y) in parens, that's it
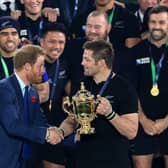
(86, 128)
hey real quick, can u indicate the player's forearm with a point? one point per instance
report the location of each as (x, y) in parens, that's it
(127, 125)
(68, 126)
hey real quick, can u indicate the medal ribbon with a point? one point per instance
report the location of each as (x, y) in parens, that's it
(111, 16)
(167, 44)
(5, 67)
(106, 83)
(54, 83)
(104, 87)
(156, 68)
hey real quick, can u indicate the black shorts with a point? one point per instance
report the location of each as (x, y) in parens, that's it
(146, 144)
(53, 153)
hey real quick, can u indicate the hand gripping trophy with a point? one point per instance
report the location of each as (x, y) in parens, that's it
(82, 108)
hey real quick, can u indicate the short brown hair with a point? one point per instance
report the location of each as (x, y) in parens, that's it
(101, 50)
(27, 54)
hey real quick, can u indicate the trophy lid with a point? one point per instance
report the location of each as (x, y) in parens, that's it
(83, 95)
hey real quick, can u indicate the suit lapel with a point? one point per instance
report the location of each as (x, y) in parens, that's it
(32, 96)
(16, 87)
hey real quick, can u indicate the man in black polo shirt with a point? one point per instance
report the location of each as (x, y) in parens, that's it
(53, 40)
(149, 71)
(125, 27)
(117, 119)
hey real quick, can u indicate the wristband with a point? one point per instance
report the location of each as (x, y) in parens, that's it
(62, 131)
(110, 116)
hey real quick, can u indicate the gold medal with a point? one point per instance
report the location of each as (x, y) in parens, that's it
(154, 91)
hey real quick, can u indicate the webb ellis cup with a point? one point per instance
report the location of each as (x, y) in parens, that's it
(82, 108)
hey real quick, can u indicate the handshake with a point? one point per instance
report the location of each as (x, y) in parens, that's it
(54, 135)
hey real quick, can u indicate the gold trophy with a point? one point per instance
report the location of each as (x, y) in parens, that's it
(82, 108)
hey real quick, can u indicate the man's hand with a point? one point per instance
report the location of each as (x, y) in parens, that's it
(148, 126)
(161, 125)
(54, 135)
(25, 41)
(51, 14)
(104, 107)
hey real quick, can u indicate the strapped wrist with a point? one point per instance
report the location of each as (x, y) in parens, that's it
(111, 115)
(62, 131)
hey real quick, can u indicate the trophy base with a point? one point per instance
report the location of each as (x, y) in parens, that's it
(86, 131)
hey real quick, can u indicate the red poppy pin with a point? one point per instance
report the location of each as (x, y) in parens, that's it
(34, 99)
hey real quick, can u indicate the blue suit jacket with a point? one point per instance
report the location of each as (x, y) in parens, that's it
(13, 130)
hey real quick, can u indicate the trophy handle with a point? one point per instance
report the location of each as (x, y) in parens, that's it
(67, 106)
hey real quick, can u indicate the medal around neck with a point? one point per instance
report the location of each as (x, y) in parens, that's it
(82, 109)
(155, 90)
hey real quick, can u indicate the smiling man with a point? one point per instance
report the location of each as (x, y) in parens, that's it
(150, 62)
(117, 119)
(53, 40)
(9, 41)
(125, 28)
